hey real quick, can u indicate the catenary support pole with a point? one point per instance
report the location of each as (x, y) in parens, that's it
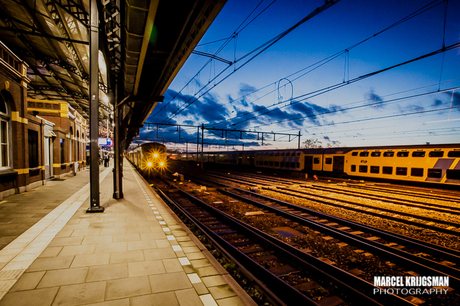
(202, 145)
(94, 109)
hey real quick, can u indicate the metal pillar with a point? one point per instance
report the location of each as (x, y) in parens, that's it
(298, 142)
(94, 110)
(117, 157)
(202, 144)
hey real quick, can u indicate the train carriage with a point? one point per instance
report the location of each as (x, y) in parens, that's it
(148, 156)
(432, 164)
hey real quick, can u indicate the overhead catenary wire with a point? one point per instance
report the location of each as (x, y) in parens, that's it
(262, 48)
(227, 41)
(345, 51)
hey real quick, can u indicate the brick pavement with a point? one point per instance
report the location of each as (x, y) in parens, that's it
(135, 253)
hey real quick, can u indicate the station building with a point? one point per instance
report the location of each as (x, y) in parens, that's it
(39, 140)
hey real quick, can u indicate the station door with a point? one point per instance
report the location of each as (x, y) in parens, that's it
(338, 163)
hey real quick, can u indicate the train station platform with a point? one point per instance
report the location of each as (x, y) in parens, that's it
(137, 252)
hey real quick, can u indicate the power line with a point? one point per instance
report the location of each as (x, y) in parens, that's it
(262, 48)
(326, 60)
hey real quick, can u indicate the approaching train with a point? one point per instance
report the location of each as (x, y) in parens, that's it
(436, 164)
(148, 157)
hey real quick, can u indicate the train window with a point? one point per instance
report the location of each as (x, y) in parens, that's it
(277, 154)
(298, 165)
(282, 164)
(270, 163)
(354, 153)
(418, 154)
(387, 170)
(388, 154)
(353, 168)
(292, 165)
(436, 154)
(265, 163)
(277, 164)
(375, 169)
(453, 154)
(292, 153)
(363, 169)
(316, 160)
(271, 153)
(328, 161)
(453, 174)
(402, 154)
(416, 171)
(298, 153)
(364, 154)
(401, 171)
(282, 153)
(376, 154)
(435, 173)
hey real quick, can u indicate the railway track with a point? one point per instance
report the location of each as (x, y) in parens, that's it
(335, 231)
(295, 277)
(453, 197)
(448, 227)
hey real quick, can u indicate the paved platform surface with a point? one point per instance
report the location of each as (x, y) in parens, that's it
(135, 253)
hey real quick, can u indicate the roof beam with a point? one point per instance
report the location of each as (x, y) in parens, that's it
(145, 41)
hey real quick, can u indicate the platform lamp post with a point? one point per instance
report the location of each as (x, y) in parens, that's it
(95, 205)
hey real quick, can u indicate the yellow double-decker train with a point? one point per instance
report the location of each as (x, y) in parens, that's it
(433, 164)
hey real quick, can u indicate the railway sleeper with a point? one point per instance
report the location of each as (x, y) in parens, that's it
(283, 270)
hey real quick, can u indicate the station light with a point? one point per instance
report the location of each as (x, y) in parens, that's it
(162, 164)
(149, 164)
(155, 155)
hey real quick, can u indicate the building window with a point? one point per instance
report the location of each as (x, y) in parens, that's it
(416, 171)
(401, 171)
(387, 170)
(3, 143)
(375, 169)
(363, 169)
(4, 132)
(61, 142)
(328, 161)
(33, 148)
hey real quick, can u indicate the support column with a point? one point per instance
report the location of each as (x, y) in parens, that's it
(202, 145)
(117, 156)
(94, 109)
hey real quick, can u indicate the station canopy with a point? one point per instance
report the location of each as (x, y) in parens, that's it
(142, 46)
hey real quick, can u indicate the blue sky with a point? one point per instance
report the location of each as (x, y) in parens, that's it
(283, 88)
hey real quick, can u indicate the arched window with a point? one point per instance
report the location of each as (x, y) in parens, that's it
(71, 144)
(4, 133)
